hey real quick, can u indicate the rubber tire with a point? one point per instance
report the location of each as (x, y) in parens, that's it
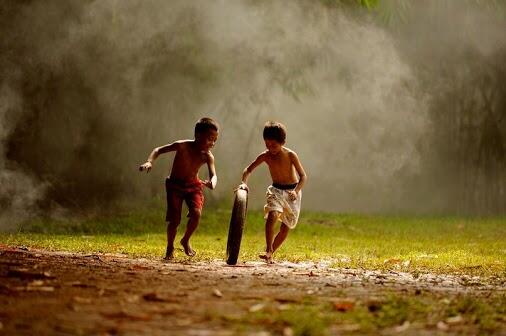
(237, 222)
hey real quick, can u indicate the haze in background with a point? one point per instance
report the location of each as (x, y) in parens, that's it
(88, 88)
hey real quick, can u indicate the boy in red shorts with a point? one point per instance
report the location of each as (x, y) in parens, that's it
(184, 183)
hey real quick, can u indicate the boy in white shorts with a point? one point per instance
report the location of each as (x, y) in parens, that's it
(284, 195)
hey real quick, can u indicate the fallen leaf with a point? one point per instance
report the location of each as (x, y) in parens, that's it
(132, 298)
(35, 289)
(455, 320)
(305, 273)
(217, 293)
(287, 331)
(442, 326)
(155, 297)
(36, 283)
(79, 299)
(257, 307)
(402, 327)
(284, 306)
(344, 305)
(80, 284)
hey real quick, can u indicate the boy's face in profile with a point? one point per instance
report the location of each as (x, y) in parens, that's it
(207, 139)
(273, 146)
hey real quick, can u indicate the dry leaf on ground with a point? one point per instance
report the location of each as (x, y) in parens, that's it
(344, 305)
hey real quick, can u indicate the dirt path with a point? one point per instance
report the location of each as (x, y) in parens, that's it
(49, 293)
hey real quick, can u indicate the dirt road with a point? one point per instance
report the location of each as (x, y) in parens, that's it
(58, 293)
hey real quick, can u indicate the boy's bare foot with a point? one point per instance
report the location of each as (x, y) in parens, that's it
(169, 254)
(267, 257)
(187, 248)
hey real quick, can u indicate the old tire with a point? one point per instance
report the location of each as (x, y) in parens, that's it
(237, 222)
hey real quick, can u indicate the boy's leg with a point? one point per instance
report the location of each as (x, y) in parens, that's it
(172, 217)
(195, 202)
(171, 235)
(193, 223)
(269, 235)
(280, 237)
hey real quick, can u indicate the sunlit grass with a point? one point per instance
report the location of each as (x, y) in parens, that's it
(417, 244)
(370, 315)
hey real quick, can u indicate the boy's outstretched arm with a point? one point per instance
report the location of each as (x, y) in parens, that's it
(300, 170)
(247, 171)
(213, 178)
(156, 152)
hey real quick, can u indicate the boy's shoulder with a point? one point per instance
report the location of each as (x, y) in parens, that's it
(289, 151)
(184, 143)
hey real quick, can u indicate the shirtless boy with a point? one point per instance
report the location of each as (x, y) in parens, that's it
(284, 195)
(184, 183)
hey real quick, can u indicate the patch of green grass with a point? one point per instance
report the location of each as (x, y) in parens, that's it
(475, 246)
(317, 315)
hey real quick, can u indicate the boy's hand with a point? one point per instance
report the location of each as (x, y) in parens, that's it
(242, 186)
(207, 183)
(147, 166)
(292, 195)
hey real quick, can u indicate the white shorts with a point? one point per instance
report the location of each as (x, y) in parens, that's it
(279, 200)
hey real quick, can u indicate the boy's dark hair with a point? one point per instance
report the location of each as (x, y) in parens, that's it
(274, 130)
(205, 124)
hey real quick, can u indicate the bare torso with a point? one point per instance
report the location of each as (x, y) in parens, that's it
(281, 167)
(189, 158)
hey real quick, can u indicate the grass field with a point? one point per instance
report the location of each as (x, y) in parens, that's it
(474, 246)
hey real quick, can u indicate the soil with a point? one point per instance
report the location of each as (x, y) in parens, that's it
(61, 293)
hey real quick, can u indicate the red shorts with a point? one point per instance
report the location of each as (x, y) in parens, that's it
(177, 191)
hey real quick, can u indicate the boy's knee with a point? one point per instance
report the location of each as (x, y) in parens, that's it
(195, 213)
(173, 223)
(273, 215)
